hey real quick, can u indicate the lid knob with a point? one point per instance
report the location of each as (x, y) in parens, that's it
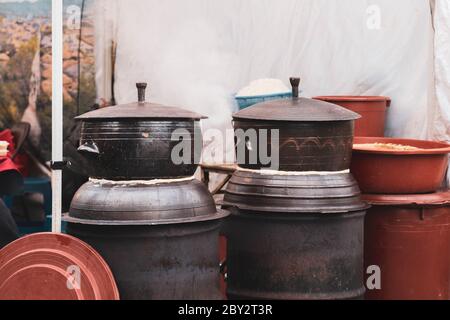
(295, 83)
(141, 86)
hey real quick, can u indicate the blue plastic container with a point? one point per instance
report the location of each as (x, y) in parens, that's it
(245, 102)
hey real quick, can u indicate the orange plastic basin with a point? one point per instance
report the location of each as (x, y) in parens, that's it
(386, 171)
(372, 109)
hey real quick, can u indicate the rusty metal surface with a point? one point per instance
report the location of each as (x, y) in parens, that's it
(140, 110)
(295, 257)
(303, 146)
(132, 204)
(164, 262)
(411, 245)
(36, 267)
(336, 193)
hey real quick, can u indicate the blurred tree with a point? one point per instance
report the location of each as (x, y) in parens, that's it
(14, 88)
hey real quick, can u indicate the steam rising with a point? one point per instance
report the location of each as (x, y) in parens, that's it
(197, 54)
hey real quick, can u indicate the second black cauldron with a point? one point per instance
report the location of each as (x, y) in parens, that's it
(311, 135)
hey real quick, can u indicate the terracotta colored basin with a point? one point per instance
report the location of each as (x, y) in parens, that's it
(50, 266)
(386, 171)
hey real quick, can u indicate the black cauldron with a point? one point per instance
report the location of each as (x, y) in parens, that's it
(309, 135)
(141, 141)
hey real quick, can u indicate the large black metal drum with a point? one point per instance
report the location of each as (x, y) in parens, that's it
(159, 238)
(169, 262)
(280, 256)
(294, 236)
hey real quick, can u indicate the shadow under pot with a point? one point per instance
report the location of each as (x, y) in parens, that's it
(140, 141)
(297, 134)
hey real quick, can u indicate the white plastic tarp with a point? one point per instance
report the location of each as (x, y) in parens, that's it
(198, 53)
(440, 128)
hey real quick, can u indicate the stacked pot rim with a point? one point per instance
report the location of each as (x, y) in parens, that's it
(110, 203)
(288, 193)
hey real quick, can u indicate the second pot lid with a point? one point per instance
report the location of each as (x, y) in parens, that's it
(296, 109)
(141, 110)
(139, 203)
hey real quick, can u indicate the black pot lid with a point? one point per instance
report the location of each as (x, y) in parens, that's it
(296, 110)
(138, 203)
(141, 110)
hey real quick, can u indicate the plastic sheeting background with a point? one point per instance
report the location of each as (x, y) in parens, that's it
(441, 124)
(198, 53)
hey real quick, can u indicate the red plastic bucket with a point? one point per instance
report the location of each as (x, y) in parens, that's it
(372, 109)
(408, 238)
